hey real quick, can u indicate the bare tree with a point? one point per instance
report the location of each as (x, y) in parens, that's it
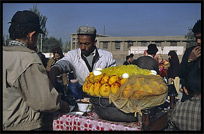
(190, 37)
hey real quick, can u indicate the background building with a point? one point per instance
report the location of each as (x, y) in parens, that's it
(120, 47)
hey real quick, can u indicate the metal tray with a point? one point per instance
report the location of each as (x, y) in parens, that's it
(109, 112)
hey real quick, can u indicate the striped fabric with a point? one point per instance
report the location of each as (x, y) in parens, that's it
(187, 115)
(16, 43)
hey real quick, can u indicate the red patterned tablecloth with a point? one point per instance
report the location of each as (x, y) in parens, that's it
(91, 122)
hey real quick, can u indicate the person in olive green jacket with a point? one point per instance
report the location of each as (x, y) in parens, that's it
(28, 95)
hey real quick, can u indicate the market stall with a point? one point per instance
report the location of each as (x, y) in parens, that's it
(121, 98)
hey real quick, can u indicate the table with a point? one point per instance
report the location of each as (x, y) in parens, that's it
(158, 123)
(91, 122)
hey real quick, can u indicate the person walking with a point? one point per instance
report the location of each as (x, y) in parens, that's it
(172, 71)
(174, 65)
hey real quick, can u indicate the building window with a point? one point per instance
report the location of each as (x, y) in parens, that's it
(105, 45)
(117, 45)
(73, 45)
(143, 43)
(158, 43)
(130, 43)
(173, 43)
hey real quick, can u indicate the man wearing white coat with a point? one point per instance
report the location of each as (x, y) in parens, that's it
(84, 59)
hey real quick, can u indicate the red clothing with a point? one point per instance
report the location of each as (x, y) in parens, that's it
(163, 73)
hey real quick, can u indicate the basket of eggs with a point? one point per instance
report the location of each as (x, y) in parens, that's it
(118, 93)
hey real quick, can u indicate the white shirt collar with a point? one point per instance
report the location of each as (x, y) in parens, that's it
(94, 52)
(150, 56)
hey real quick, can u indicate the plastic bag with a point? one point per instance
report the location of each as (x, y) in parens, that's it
(138, 98)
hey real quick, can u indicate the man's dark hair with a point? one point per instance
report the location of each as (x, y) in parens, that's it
(131, 55)
(18, 32)
(197, 27)
(93, 37)
(127, 57)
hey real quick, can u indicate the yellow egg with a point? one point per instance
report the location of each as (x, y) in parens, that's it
(97, 89)
(97, 78)
(122, 81)
(105, 79)
(91, 90)
(86, 87)
(105, 90)
(113, 79)
(115, 87)
(91, 78)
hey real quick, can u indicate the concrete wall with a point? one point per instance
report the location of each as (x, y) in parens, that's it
(164, 44)
(163, 51)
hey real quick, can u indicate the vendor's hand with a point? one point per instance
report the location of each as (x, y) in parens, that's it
(195, 53)
(64, 107)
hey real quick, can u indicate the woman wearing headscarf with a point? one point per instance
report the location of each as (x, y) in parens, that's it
(174, 65)
(172, 71)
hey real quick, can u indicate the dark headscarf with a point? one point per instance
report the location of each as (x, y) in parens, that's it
(174, 65)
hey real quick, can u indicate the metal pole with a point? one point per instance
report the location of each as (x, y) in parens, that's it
(104, 30)
(41, 42)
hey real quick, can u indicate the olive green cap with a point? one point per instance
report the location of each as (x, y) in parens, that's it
(86, 30)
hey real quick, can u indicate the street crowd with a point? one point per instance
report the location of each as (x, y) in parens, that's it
(33, 91)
